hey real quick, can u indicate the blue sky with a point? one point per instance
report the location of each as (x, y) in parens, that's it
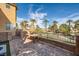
(52, 11)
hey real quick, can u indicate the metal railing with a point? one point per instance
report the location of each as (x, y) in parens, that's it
(58, 37)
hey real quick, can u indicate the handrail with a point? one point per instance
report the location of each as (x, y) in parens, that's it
(56, 37)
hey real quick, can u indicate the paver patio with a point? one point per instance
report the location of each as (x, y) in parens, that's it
(36, 49)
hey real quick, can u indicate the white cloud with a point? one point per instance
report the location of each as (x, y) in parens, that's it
(20, 19)
(38, 16)
(39, 22)
(74, 17)
(39, 9)
(30, 9)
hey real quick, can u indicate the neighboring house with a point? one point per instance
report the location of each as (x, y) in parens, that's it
(7, 16)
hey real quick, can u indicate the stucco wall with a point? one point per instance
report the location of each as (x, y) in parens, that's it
(10, 13)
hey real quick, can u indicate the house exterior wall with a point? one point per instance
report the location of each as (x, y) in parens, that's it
(10, 15)
(7, 15)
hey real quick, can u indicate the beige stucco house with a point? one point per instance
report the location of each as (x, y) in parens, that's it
(7, 20)
(7, 16)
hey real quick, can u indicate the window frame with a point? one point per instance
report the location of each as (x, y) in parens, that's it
(7, 6)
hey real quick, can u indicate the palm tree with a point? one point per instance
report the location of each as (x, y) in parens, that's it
(33, 26)
(69, 24)
(63, 28)
(55, 22)
(24, 25)
(33, 21)
(76, 25)
(50, 27)
(38, 29)
(54, 26)
(45, 22)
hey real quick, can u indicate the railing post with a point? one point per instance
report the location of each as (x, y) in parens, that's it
(21, 34)
(77, 46)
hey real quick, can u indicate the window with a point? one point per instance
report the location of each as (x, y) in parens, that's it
(8, 25)
(7, 6)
